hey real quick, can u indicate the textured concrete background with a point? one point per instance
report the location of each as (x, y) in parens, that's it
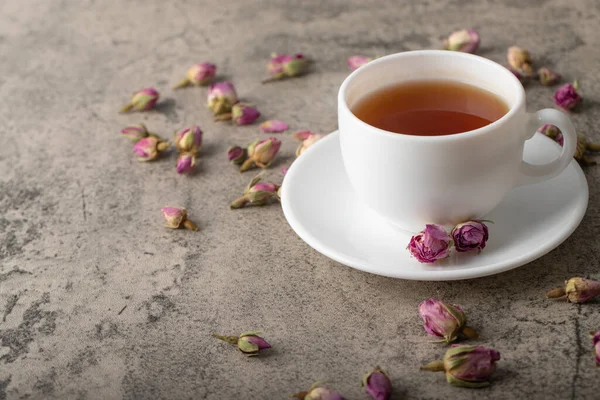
(98, 300)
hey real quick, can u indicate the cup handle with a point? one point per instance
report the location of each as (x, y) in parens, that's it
(530, 173)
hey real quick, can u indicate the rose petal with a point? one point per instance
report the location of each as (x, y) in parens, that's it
(273, 126)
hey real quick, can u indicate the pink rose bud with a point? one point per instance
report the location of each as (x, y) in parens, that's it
(547, 77)
(244, 114)
(261, 153)
(446, 321)
(273, 126)
(576, 290)
(596, 342)
(430, 245)
(186, 163)
(176, 217)
(465, 40)
(567, 97)
(135, 132)
(282, 66)
(143, 100)
(318, 392)
(470, 235)
(355, 62)
(520, 60)
(257, 193)
(221, 97)
(237, 155)
(377, 384)
(149, 148)
(198, 75)
(248, 343)
(189, 139)
(549, 130)
(308, 139)
(466, 366)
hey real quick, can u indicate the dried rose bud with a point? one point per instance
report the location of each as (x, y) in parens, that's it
(189, 139)
(198, 74)
(520, 60)
(318, 392)
(149, 148)
(308, 139)
(142, 100)
(261, 153)
(282, 66)
(576, 290)
(221, 97)
(549, 130)
(567, 97)
(355, 62)
(135, 132)
(466, 366)
(273, 126)
(465, 40)
(470, 235)
(582, 146)
(446, 321)
(186, 163)
(257, 193)
(177, 217)
(244, 114)
(431, 244)
(377, 384)
(248, 343)
(547, 77)
(237, 155)
(596, 342)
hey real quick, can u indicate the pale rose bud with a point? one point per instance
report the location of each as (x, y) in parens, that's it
(261, 153)
(189, 139)
(149, 148)
(520, 60)
(377, 384)
(465, 40)
(186, 163)
(134, 132)
(248, 343)
(470, 235)
(221, 97)
(355, 62)
(176, 217)
(596, 342)
(198, 74)
(237, 155)
(273, 126)
(318, 392)
(444, 320)
(430, 245)
(244, 114)
(308, 139)
(567, 97)
(142, 100)
(257, 193)
(286, 66)
(576, 290)
(547, 77)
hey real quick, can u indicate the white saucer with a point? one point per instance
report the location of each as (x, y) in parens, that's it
(321, 207)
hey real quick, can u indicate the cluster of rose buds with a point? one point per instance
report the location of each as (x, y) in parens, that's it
(318, 392)
(434, 243)
(248, 343)
(188, 142)
(445, 321)
(576, 290)
(355, 62)
(260, 153)
(567, 96)
(583, 146)
(176, 218)
(377, 384)
(198, 75)
(308, 139)
(466, 366)
(464, 40)
(596, 342)
(142, 100)
(257, 193)
(282, 66)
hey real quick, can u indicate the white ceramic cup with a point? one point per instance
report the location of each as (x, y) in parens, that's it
(414, 180)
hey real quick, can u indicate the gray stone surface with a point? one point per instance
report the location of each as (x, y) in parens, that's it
(98, 300)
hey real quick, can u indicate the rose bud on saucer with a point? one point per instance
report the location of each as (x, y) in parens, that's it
(248, 343)
(198, 75)
(135, 132)
(149, 148)
(257, 193)
(445, 321)
(596, 342)
(308, 139)
(520, 60)
(237, 155)
(282, 66)
(221, 97)
(377, 384)
(465, 40)
(261, 153)
(273, 126)
(142, 100)
(189, 139)
(186, 163)
(318, 392)
(355, 62)
(466, 366)
(576, 290)
(567, 96)
(470, 235)
(176, 217)
(431, 244)
(547, 77)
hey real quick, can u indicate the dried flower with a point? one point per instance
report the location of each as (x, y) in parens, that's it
(257, 193)
(431, 244)
(135, 132)
(465, 40)
(177, 217)
(445, 320)
(576, 290)
(547, 77)
(186, 163)
(244, 114)
(583, 146)
(377, 384)
(261, 153)
(189, 139)
(237, 155)
(248, 343)
(520, 60)
(149, 148)
(273, 126)
(318, 392)
(221, 97)
(142, 100)
(470, 235)
(308, 139)
(198, 74)
(596, 342)
(355, 62)
(466, 366)
(282, 66)
(567, 97)
(549, 130)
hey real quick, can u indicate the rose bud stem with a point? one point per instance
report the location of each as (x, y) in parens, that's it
(470, 333)
(190, 225)
(240, 202)
(228, 339)
(434, 366)
(247, 165)
(223, 117)
(557, 293)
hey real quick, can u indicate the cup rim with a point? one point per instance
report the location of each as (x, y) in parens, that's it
(446, 53)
